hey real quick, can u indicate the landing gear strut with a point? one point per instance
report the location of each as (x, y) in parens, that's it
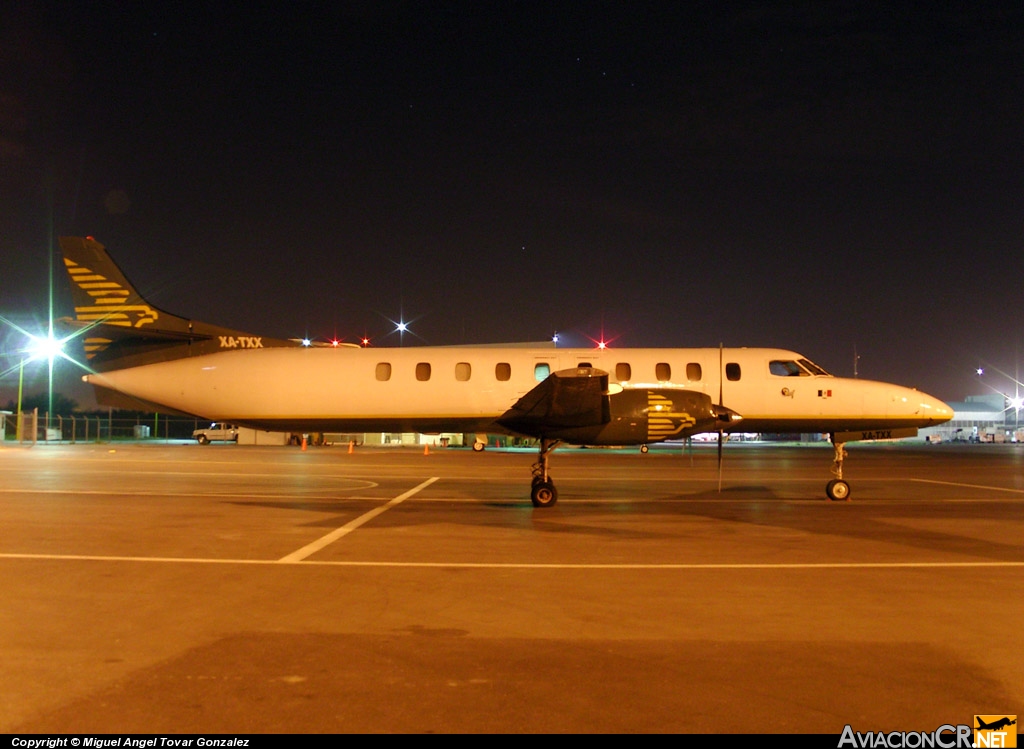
(542, 490)
(837, 489)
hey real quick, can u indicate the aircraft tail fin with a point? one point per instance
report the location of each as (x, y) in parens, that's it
(120, 328)
(103, 295)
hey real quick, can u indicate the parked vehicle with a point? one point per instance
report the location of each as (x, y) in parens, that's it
(218, 431)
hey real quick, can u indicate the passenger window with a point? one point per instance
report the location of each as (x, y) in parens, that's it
(383, 371)
(463, 371)
(663, 372)
(623, 372)
(423, 371)
(503, 371)
(541, 371)
(693, 372)
(732, 371)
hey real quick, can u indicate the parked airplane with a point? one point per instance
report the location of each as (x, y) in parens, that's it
(580, 396)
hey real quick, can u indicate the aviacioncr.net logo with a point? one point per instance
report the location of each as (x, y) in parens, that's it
(944, 737)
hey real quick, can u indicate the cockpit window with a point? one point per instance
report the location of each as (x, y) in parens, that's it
(781, 368)
(798, 368)
(813, 368)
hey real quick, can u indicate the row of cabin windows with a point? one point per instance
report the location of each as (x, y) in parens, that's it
(503, 371)
(663, 372)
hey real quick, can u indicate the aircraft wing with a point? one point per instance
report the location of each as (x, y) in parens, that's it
(565, 400)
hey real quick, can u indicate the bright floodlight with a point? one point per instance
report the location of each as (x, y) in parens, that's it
(306, 342)
(401, 327)
(48, 348)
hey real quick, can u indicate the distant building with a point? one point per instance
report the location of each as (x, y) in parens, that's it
(980, 418)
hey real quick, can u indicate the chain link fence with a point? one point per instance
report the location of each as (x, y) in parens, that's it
(112, 426)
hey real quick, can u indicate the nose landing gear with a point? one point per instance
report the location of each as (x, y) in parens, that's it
(837, 489)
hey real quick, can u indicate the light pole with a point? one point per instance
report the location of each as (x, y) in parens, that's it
(39, 348)
(21, 378)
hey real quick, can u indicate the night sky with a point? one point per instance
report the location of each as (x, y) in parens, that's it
(828, 177)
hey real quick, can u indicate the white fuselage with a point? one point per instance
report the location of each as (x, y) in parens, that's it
(433, 389)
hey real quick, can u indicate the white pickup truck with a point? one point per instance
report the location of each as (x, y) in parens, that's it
(218, 431)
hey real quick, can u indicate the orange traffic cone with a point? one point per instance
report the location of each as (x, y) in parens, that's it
(303, 442)
(351, 446)
(426, 448)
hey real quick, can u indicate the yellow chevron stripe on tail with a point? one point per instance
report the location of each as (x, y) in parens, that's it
(111, 302)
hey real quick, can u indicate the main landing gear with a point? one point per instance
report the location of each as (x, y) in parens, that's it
(837, 489)
(542, 490)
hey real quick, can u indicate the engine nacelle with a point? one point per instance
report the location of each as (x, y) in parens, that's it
(575, 405)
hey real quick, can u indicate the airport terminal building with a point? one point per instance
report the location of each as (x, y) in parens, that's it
(980, 418)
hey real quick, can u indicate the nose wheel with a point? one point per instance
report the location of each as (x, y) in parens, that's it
(542, 489)
(838, 490)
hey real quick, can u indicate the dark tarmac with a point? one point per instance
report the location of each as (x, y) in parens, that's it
(232, 589)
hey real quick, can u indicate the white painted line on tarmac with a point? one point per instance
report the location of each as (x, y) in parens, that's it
(270, 493)
(108, 558)
(680, 566)
(320, 543)
(969, 486)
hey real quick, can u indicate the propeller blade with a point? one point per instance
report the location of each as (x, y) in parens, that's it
(721, 373)
(720, 461)
(721, 376)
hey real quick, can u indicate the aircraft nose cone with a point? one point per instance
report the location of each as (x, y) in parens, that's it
(936, 410)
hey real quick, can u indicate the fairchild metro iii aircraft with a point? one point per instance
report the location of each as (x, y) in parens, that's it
(579, 396)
